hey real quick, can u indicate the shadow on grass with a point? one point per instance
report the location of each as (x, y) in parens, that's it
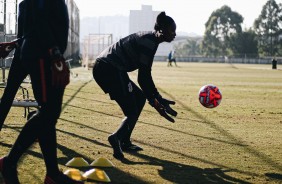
(181, 173)
(172, 171)
(116, 175)
(234, 139)
(274, 176)
(153, 146)
(88, 100)
(74, 95)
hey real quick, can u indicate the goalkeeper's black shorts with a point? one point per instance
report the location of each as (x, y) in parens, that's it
(111, 80)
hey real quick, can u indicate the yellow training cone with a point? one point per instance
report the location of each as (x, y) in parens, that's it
(77, 162)
(97, 175)
(102, 162)
(75, 174)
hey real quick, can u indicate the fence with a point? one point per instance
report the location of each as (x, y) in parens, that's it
(93, 45)
(262, 60)
(73, 48)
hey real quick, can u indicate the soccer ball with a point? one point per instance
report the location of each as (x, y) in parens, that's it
(210, 96)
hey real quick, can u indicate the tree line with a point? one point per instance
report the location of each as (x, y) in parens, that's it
(224, 35)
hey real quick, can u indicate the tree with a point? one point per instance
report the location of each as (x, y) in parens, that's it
(244, 44)
(221, 24)
(190, 47)
(268, 27)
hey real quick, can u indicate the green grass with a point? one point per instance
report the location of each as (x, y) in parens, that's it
(240, 141)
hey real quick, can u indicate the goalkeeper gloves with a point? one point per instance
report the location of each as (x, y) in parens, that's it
(60, 70)
(7, 47)
(162, 105)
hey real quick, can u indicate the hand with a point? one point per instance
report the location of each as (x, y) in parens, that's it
(161, 109)
(60, 70)
(166, 103)
(7, 47)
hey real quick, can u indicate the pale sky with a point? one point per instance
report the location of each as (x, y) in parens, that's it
(189, 15)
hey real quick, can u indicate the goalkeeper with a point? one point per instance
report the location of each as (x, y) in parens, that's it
(110, 71)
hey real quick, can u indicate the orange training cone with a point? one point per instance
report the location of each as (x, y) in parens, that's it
(97, 175)
(75, 174)
(102, 162)
(77, 162)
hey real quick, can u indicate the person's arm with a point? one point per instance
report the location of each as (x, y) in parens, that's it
(146, 83)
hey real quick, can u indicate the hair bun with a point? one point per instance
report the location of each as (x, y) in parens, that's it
(161, 16)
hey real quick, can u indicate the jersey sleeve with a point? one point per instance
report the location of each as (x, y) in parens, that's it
(146, 82)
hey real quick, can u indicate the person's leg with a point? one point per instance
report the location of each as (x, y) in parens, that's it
(8, 166)
(139, 100)
(131, 106)
(107, 77)
(50, 100)
(175, 62)
(35, 126)
(15, 77)
(9, 172)
(41, 125)
(128, 105)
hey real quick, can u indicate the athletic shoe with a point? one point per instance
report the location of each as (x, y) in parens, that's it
(9, 174)
(60, 179)
(113, 140)
(129, 147)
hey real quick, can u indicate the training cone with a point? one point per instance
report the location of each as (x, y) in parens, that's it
(102, 162)
(77, 162)
(97, 175)
(75, 174)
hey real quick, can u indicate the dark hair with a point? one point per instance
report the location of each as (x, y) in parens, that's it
(163, 21)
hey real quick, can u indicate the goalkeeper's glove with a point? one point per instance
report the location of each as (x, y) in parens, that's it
(7, 47)
(162, 105)
(60, 70)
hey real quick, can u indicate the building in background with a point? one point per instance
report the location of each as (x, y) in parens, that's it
(144, 20)
(98, 32)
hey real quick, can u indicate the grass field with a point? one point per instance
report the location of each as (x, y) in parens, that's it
(240, 141)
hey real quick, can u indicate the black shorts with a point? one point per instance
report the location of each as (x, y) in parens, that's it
(111, 80)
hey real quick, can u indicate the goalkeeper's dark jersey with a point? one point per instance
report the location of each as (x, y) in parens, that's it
(132, 52)
(135, 51)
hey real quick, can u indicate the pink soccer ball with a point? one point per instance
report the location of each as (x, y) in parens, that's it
(210, 96)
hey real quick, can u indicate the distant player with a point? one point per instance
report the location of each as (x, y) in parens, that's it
(171, 59)
(110, 71)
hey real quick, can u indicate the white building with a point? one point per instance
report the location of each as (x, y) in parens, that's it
(142, 20)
